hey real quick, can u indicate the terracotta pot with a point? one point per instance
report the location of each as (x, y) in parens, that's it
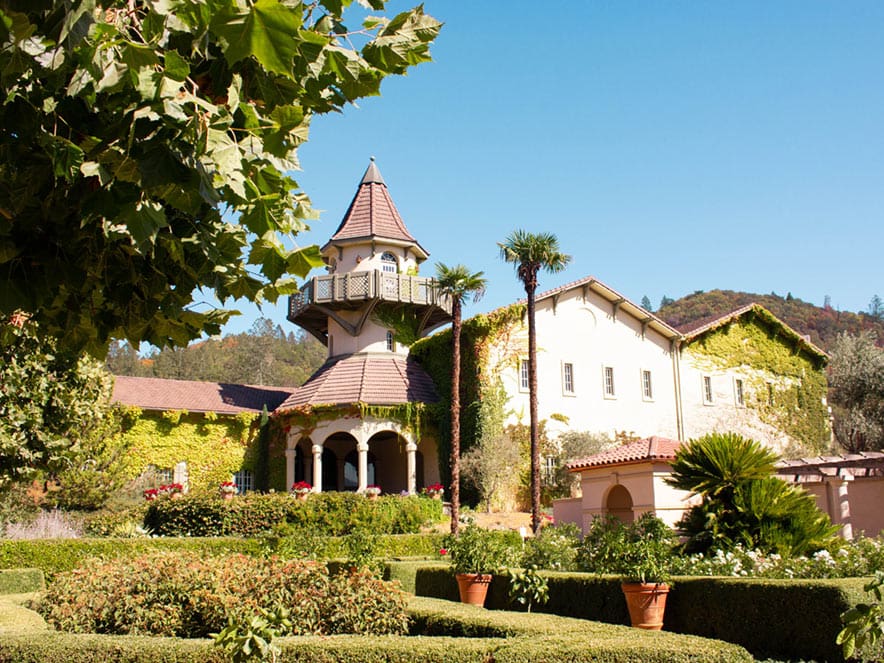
(437, 496)
(473, 587)
(226, 496)
(177, 496)
(302, 497)
(646, 603)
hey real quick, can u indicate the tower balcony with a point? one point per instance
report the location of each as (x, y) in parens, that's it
(324, 297)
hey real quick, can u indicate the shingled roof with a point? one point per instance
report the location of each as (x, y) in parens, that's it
(222, 398)
(374, 379)
(372, 215)
(652, 448)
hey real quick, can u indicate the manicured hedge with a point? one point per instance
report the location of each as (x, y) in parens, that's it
(480, 636)
(786, 619)
(332, 514)
(21, 581)
(56, 555)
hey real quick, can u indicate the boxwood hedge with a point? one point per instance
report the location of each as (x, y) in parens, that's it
(781, 619)
(53, 556)
(449, 633)
(21, 581)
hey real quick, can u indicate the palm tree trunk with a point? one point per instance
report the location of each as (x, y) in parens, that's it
(455, 415)
(532, 410)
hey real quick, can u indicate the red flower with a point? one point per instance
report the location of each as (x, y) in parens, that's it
(443, 551)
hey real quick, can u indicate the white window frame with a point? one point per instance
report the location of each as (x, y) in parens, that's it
(391, 341)
(389, 263)
(706, 389)
(245, 481)
(647, 386)
(568, 378)
(739, 392)
(609, 385)
(524, 376)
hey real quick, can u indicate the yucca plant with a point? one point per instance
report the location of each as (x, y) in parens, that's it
(742, 503)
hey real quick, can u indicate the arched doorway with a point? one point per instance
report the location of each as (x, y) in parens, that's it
(619, 504)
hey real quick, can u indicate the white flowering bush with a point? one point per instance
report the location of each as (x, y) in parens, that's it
(861, 557)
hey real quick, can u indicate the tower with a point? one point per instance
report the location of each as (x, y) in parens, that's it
(351, 420)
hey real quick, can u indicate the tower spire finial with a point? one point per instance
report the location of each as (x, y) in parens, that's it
(372, 174)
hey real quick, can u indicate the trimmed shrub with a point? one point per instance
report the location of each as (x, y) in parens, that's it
(56, 556)
(333, 514)
(21, 581)
(757, 614)
(185, 595)
(482, 636)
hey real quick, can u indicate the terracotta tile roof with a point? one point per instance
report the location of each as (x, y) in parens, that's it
(221, 398)
(697, 328)
(373, 214)
(652, 448)
(374, 379)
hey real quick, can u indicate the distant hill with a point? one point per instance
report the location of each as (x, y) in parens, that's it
(822, 325)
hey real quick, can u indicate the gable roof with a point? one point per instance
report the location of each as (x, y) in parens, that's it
(373, 379)
(219, 397)
(698, 328)
(590, 283)
(652, 448)
(373, 215)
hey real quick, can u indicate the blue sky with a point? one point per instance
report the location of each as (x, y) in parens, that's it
(671, 147)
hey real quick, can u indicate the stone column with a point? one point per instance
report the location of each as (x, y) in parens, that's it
(411, 450)
(317, 468)
(838, 497)
(289, 468)
(362, 449)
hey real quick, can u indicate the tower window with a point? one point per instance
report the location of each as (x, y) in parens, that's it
(391, 342)
(609, 382)
(524, 381)
(738, 393)
(707, 390)
(568, 378)
(647, 386)
(388, 262)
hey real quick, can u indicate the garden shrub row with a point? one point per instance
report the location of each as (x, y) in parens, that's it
(785, 619)
(53, 556)
(450, 633)
(186, 595)
(331, 514)
(21, 581)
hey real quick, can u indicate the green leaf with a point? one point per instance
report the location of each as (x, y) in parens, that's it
(265, 32)
(177, 67)
(144, 221)
(301, 261)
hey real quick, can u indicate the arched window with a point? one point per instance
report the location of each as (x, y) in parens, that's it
(388, 262)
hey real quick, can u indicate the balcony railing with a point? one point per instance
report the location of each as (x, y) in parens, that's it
(353, 287)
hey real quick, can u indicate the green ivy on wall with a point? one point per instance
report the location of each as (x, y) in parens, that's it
(214, 447)
(769, 357)
(478, 336)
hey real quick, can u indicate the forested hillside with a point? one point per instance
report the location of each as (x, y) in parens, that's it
(264, 355)
(822, 324)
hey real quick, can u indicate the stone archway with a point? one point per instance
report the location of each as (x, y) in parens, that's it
(618, 503)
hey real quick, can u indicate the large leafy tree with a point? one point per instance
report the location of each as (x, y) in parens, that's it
(53, 403)
(530, 253)
(457, 283)
(742, 504)
(856, 392)
(145, 146)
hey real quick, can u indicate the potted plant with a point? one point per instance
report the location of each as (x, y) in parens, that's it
(301, 489)
(372, 491)
(645, 571)
(435, 490)
(227, 490)
(476, 554)
(172, 490)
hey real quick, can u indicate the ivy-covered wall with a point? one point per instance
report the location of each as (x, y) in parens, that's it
(213, 446)
(434, 354)
(784, 380)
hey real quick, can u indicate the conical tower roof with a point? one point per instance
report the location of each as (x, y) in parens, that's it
(372, 215)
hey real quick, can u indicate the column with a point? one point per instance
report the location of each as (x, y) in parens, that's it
(362, 448)
(317, 468)
(289, 468)
(411, 450)
(838, 498)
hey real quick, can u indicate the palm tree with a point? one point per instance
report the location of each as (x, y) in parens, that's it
(457, 283)
(530, 253)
